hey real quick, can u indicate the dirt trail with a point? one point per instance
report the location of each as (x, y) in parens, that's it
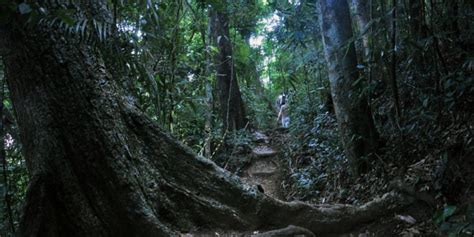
(265, 169)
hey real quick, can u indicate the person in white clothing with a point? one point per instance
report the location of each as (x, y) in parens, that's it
(283, 116)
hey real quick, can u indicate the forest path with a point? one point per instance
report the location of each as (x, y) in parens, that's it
(265, 169)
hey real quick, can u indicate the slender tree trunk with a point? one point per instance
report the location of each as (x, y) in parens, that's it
(357, 129)
(100, 167)
(175, 37)
(230, 99)
(418, 31)
(209, 97)
(363, 18)
(363, 15)
(393, 79)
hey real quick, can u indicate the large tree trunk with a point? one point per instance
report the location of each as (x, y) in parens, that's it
(356, 126)
(100, 167)
(230, 99)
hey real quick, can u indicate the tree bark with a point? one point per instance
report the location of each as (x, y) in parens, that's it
(353, 114)
(416, 14)
(453, 16)
(362, 18)
(209, 96)
(393, 71)
(101, 167)
(230, 99)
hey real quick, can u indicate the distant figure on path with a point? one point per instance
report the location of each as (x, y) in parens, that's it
(282, 105)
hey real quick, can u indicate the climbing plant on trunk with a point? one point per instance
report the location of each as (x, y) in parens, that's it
(231, 105)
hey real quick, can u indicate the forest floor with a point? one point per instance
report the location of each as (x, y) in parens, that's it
(263, 160)
(414, 220)
(263, 163)
(411, 221)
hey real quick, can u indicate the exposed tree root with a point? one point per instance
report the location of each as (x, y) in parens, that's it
(208, 192)
(291, 230)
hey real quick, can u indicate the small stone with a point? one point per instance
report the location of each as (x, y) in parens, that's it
(260, 137)
(263, 151)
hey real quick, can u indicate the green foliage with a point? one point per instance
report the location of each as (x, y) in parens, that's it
(316, 155)
(445, 219)
(15, 185)
(443, 214)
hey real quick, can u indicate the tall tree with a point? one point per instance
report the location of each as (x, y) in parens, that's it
(393, 71)
(230, 99)
(356, 126)
(362, 16)
(100, 167)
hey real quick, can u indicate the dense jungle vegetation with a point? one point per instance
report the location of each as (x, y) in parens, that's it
(237, 117)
